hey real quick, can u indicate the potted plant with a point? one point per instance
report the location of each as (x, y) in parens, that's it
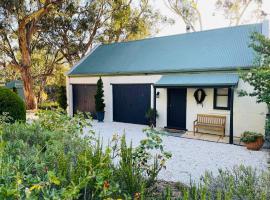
(150, 115)
(253, 140)
(99, 101)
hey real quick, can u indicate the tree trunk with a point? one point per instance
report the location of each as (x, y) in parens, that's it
(30, 98)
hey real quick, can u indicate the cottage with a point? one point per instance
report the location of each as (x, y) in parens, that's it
(181, 76)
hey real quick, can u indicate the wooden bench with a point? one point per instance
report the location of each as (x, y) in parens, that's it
(210, 122)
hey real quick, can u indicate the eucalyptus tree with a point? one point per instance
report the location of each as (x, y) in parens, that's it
(19, 30)
(37, 36)
(234, 10)
(188, 11)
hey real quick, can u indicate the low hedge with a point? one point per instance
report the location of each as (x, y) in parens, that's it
(12, 104)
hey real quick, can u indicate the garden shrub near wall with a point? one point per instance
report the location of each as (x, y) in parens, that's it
(12, 104)
(240, 183)
(51, 158)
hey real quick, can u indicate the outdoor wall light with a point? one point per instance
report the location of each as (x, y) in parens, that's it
(157, 94)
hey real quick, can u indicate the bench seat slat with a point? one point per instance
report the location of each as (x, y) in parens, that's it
(211, 122)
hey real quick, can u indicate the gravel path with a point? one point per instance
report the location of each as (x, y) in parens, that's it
(191, 158)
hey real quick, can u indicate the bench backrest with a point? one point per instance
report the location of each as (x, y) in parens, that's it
(211, 119)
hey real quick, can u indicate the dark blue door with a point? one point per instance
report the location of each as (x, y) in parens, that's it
(176, 117)
(130, 103)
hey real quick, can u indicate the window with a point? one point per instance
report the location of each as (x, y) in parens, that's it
(222, 98)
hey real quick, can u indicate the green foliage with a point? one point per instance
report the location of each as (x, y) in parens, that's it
(234, 11)
(240, 183)
(54, 157)
(259, 76)
(99, 97)
(12, 104)
(66, 32)
(249, 137)
(143, 154)
(150, 115)
(188, 11)
(48, 106)
(62, 98)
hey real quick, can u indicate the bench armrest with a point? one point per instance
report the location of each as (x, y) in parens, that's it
(195, 122)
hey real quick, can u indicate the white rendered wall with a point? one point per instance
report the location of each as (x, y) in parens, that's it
(205, 108)
(248, 115)
(161, 103)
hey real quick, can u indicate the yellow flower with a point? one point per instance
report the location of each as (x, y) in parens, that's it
(35, 187)
(19, 181)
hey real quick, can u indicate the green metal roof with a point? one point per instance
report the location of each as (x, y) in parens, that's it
(218, 49)
(15, 83)
(212, 79)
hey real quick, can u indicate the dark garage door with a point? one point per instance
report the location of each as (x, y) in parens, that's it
(84, 98)
(130, 103)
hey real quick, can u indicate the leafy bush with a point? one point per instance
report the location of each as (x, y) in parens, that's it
(150, 115)
(249, 137)
(240, 183)
(62, 97)
(12, 104)
(48, 106)
(54, 157)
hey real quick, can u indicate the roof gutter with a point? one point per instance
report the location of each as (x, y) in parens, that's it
(225, 69)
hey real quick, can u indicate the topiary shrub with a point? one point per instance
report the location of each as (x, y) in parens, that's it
(99, 97)
(12, 104)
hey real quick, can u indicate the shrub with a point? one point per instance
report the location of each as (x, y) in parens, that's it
(150, 115)
(62, 97)
(236, 184)
(12, 104)
(249, 137)
(48, 106)
(54, 157)
(99, 97)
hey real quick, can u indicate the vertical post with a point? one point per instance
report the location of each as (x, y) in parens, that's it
(155, 106)
(231, 114)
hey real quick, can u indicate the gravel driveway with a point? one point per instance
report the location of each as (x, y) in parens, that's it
(191, 158)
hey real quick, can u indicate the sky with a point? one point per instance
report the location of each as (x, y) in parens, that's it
(211, 18)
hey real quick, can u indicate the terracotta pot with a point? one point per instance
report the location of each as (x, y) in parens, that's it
(257, 145)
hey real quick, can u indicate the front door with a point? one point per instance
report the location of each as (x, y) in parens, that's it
(176, 117)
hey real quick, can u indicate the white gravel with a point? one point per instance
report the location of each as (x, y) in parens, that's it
(191, 158)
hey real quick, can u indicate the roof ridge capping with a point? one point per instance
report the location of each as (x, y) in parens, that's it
(264, 25)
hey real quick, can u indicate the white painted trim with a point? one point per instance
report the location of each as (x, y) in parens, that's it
(83, 59)
(265, 28)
